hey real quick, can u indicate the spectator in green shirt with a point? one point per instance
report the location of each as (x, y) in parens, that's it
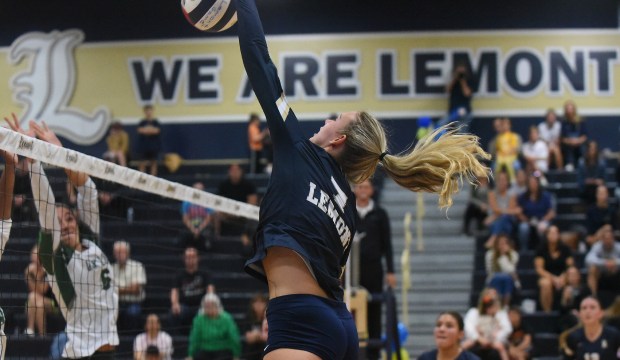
(214, 333)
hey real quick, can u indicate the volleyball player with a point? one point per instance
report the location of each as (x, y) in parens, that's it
(307, 216)
(592, 340)
(78, 271)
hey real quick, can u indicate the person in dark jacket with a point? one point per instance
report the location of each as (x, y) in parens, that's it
(373, 229)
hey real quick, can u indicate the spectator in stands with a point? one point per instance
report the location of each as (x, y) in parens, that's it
(535, 152)
(552, 260)
(448, 334)
(501, 265)
(254, 342)
(190, 286)
(498, 127)
(508, 146)
(477, 207)
(537, 213)
(198, 224)
(153, 337)
(573, 137)
(487, 328)
(520, 340)
(593, 340)
(149, 140)
(502, 209)
(214, 333)
(130, 279)
(23, 205)
(591, 173)
(519, 186)
(256, 136)
(40, 298)
(460, 91)
(573, 292)
(550, 131)
(600, 213)
(374, 233)
(603, 263)
(118, 144)
(235, 187)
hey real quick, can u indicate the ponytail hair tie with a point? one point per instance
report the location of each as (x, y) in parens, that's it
(382, 155)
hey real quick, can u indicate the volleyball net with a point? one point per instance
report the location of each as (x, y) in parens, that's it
(125, 214)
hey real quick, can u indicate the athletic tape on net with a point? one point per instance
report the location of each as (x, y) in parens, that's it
(70, 159)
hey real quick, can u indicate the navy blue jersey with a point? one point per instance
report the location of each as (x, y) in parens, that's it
(606, 347)
(309, 206)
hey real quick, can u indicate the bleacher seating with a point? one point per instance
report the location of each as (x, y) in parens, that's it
(570, 213)
(153, 234)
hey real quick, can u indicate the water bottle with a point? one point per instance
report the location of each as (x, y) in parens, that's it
(130, 215)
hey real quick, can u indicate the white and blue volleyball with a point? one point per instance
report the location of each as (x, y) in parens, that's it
(210, 15)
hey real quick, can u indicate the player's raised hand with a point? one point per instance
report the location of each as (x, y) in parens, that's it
(44, 133)
(13, 122)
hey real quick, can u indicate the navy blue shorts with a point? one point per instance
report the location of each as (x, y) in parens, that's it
(311, 323)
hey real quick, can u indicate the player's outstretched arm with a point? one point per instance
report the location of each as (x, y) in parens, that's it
(7, 183)
(263, 74)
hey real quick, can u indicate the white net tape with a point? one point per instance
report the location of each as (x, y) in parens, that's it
(73, 160)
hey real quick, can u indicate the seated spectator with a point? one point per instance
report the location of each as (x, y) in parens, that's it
(573, 137)
(235, 187)
(502, 209)
(520, 340)
(130, 279)
(550, 131)
(477, 207)
(40, 298)
(573, 292)
(603, 261)
(535, 152)
(508, 146)
(198, 224)
(118, 144)
(590, 173)
(448, 335)
(501, 265)
(254, 341)
(593, 340)
(600, 213)
(153, 337)
(498, 126)
(214, 333)
(552, 260)
(537, 213)
(190, 286)
(487, 328)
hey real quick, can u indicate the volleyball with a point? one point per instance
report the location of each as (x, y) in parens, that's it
(210, 15)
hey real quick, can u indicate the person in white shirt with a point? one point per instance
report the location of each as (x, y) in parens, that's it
(535, 152)
(78, 271)
(487, 327)
(550, 131)
(130, 278)
(603, 262)
(153, 336)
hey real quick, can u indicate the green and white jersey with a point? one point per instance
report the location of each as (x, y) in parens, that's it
(5, 231)
(82, 281)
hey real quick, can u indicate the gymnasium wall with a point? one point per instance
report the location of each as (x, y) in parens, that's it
(79, 65)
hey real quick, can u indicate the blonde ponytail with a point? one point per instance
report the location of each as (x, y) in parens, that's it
(436, 164)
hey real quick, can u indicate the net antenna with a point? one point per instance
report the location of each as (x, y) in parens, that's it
(70, 159)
